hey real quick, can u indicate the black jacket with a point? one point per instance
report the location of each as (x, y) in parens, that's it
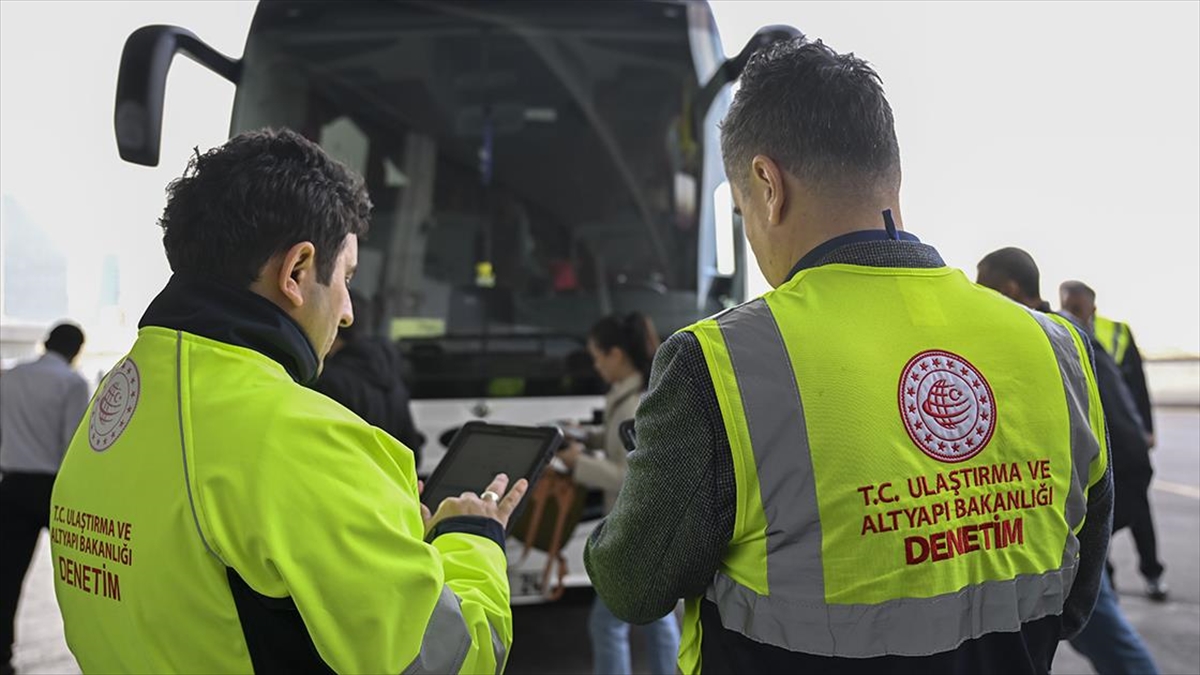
(1131, 467)
(1130, 453)
(1135, 377)
(364, 376)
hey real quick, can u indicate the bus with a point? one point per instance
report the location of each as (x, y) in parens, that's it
(534, 166)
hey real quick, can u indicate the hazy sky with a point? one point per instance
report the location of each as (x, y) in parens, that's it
(1071, 130)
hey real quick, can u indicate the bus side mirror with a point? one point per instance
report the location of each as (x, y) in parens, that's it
(142, 83)
(732, 68)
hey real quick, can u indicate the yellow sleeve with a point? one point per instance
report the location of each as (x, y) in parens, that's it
(472, 565)
(328, 514)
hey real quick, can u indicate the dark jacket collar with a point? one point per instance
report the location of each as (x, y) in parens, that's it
(873, 248)
(235, 316)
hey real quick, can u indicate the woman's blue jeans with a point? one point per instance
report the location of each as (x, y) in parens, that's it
(610, 643)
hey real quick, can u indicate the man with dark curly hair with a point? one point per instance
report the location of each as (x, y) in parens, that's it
(215, 515)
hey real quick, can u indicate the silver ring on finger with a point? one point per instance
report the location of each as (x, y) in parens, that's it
(489, 496)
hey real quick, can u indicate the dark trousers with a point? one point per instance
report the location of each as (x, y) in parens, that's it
(24, 511)
(1142, 527)
(1133, 511)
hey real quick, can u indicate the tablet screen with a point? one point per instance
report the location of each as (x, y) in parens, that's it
(479, 452)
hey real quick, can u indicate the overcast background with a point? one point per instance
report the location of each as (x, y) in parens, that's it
(1071, 130)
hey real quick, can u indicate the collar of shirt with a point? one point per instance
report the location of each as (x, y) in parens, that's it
(816, 256)
(56, 359)
(623, 387)
(874, 248)
(235, 316)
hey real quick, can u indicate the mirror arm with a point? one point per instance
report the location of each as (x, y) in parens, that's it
(142, 82)
(732, 68)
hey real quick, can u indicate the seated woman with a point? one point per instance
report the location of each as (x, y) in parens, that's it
(622, 349)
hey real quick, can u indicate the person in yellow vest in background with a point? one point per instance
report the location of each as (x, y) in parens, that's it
(212, 514)
(1108, 640)
(1117, 339)
(878, 466)
(1079, 299)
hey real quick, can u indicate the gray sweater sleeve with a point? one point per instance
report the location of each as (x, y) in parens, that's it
(674, 516)
(1093, 551)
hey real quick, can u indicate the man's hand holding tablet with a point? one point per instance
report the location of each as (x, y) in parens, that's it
(491, 503)
(481, 452)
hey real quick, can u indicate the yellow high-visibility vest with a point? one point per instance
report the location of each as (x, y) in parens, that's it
(199, 457)
(909, 449)
(1114, 336)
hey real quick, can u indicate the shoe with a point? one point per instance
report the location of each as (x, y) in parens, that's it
(1156, 589)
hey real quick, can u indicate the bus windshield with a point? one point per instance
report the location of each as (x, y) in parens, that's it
(534, 167)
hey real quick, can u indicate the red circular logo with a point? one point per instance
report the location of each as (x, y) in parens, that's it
(114, 407)
(947, 406)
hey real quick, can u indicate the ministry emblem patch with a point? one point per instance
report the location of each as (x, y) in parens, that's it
(114, 406)
(947, 406)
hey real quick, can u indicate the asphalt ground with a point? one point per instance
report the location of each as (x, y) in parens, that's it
(554, 638)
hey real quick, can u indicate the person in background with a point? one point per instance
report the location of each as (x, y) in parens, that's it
(1108, 640)
(774, 467)
(622, 349)
(41, 404)
(1115, 337)
(362, 372)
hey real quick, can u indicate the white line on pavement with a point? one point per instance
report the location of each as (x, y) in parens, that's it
(1177, 488)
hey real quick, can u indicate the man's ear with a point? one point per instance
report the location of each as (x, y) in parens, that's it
(297, 268)
(768, 179)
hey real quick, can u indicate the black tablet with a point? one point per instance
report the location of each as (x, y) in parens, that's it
(479, 451)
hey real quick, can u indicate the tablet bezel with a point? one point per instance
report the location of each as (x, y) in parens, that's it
(552, 439)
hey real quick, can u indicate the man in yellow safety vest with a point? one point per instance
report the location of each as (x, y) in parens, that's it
(1117, 339)
(878, 466)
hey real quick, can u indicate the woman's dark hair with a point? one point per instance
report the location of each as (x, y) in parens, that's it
(632, 333)
(258, 195)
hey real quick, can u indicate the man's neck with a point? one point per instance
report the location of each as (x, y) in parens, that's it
(1036, 303)
(55, 356)
(236, 316)
(624, 373)
(818, 221)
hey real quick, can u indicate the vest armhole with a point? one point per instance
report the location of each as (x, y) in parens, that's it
(276, 637)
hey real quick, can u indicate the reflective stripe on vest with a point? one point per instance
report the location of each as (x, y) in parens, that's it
(774, 585)
(446, 641)
(1113, 335)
